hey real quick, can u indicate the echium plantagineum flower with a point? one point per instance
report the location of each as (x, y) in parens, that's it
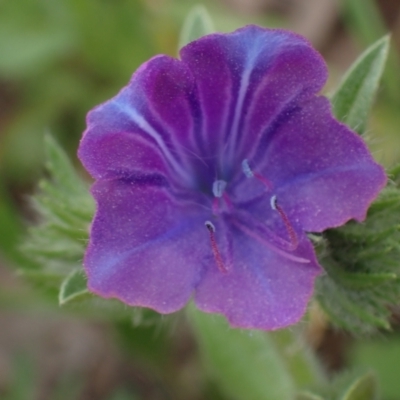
(211, 169)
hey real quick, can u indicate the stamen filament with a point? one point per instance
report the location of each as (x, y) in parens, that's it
(217, 255)
(291, 232)
(263, 180)
(255, 235)
(251, 174)
(227, 201)
(218, 208)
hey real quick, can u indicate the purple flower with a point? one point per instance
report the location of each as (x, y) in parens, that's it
(209, 172)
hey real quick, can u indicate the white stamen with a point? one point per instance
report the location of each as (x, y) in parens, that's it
(246, 169)
(210, 226)
(273, 202)
(218, 188)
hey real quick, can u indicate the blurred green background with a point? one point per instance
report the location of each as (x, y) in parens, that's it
(58, 59)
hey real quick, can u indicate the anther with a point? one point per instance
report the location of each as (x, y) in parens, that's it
(210, 226)
(246, 169)
(251, 174)
(273, 202)
(291, 232)
(217, 255)
(218, 188)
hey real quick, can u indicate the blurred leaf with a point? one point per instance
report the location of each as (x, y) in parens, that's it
(246, 364)
(198, 23)
(33, 34)
(353, 99)
(308, 396)
(10, 228)
(365, 18)
(382, 355)
(366, 21)
(353, 384)
(114, 37)
(72, 287)
(394, 174)
(24, 377)
(300, 360)
(27, 52)
(365, 388)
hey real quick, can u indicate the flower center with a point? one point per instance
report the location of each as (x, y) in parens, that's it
(221, 201)
(218, 188)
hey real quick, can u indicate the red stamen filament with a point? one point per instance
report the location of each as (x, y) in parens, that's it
(218, 204)
(288, 225)
(251, 174)
(263, 180)
(227, 201)
(214, 247)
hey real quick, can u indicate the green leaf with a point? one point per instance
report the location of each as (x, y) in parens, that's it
(353, 99)
(366, 22)
(198, 23)
(73, 287)
(365, 388)
(353, 310)
(56, 245)
(358, 280)
(246, 364)
(362, 267)
(394, 173)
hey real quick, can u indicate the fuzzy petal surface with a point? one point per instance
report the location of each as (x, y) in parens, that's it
(247, 80)
(140, 250)
(262, 289)
(323, 172)
(146, 128)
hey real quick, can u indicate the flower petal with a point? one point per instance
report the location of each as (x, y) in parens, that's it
(246, 80)
(263, 289)
(156, 107)
(323, 173)
(120, 154)
(141, 249)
